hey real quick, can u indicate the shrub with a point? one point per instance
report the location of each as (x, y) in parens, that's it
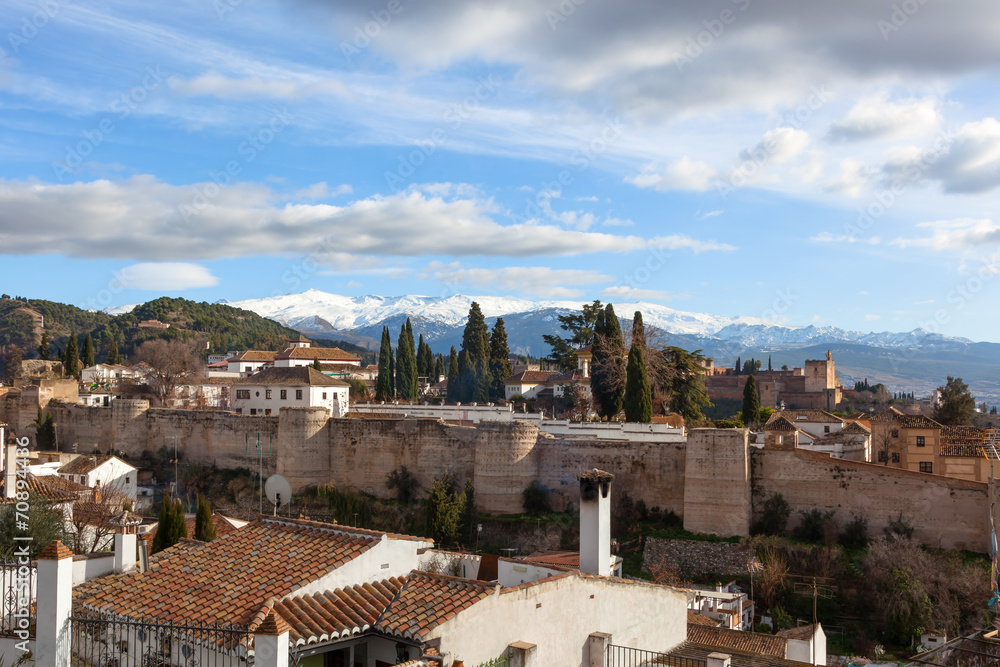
(404, 483)
(898, 527)
(855, 535)
(816, 526)
(773, 516)
(536, 499)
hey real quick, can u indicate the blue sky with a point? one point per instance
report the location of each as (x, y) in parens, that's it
(840, 160)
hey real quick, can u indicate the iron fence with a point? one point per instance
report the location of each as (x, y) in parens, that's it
(624, 656)
(18, 585)
(101, 640)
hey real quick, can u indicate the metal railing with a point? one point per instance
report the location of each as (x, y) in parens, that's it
(624, 656)
(102, 640)
(17, 593)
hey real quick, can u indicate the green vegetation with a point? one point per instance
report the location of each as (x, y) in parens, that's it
(473, 359)
(638, 399)
(536, 499)
(171, 527)
(444, 511)
(581, 328)
(957, 407)
(204, 529)
(406, 364)
(751, 402)
(384, 380)
(45, 524)
(608, 365)
(499, 362)
(453, 389)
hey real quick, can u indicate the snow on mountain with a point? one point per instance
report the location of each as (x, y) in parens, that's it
(121, 310)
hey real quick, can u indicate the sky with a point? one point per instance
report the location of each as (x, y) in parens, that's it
(825, 163)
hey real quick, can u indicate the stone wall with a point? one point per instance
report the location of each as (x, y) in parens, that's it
(717, 482)
(696, 557)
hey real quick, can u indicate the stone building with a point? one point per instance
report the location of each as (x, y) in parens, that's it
(816, 386)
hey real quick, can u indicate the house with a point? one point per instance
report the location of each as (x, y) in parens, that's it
(250, 361)
(303, 386)
(153, 324)
(300, 352)
(106, 374)
(803, 645)
(806, 643)
(108, 472)
(526, 383)
(818, 431)
(911, 442)
(727, 606)
(95, 398)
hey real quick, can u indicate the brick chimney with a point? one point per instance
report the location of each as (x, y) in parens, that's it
(595, 522)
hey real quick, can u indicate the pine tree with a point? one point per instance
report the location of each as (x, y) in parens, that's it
(500, 368)
(438, 369)
(87, 352)
(43, 348)
(638, 400)
(751, 403)
(204, 528)
(406, 364)
(72, 364)
(454, 390)
(114, 357)
(474, 374)
(608, 373)
(383, 382)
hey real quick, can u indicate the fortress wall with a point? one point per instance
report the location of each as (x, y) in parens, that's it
(647, 471)
(944, 512)
(716, 482)
(223, 439)
(81, 426)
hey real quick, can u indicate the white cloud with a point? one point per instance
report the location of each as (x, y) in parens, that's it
(322, 191)
(863, 292)
(779, 145)
(354, 284)
(851, 179)
(872, 318)
(684, 174)
(590, 198)
(877, 118)
(827, 237)
(540, 280)
(166, 276)
(680, 241)
(711, 214)
(964, 233)
(218, 85)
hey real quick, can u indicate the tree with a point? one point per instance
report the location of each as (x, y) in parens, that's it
(425, 361)
(499, 365)
(44, 525)
(204, 527)
(72, 363)
(638, 400)
(738, 367)
(467, 523)
(45, 432)
(12, 369)
(581, 327)
(773, 516)
(445, 507)
(473, 360)
(383, 382)
(454, 390)
(87, 351)
(404, 483)
(438, 370)
(751, 403)
(315, 364)
(684, 383)
(169, 363)
(406, 364)
(884, 446)
(114, 356)
(956, 406)
(639, 332)
(171, 527)
(769, 363)
(607, 372)
(44, 352)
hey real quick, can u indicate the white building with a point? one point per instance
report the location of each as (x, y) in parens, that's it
(108, 472)
(302, 387)
(250, 361)
(106, 374)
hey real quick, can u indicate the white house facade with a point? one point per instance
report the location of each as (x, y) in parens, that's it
(302, 387)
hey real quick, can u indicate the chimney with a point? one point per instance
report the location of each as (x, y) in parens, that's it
(97, 491)
(719, 660)
(9, 465)
(595, 522)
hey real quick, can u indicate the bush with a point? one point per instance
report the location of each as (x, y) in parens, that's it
(816, 526)
(536, 499)
(898, 527)
(782, 619)
(855, 535)
(404, 483)
(773, 516)
(728, 423)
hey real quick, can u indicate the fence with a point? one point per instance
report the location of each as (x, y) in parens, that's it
(17, 587)
(100, 640)
(623, 656)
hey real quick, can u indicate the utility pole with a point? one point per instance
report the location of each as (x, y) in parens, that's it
(177, 483)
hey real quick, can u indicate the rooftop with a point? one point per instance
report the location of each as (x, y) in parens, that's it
(321, 353)
(751, 642)
(38, 489)
(294, 376)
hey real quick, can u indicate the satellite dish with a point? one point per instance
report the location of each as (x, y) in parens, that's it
(278, 491)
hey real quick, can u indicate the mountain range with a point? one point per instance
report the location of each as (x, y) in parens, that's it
(916, 361)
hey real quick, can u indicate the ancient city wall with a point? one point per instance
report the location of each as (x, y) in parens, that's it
(944, 512)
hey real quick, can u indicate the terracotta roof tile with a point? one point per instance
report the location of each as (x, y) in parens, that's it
(740, 658)
(55, 550)
(556, 558)
(694, 618)
(752, 642)
(63, 484)
(321, 353)
(253, 355)
(82, 465)
(297, 376)
(531, 376)
(344, 612)
(856, 428)
(904, 420)
(427, 600)
(273, 624)
(38, 489)
(779, 424)
(820, 416)
(800, 632)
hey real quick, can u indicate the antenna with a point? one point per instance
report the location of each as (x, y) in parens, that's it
(278, 491)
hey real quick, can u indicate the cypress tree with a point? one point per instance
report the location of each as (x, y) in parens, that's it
(639, 332)
(500, 368)
(43, 348)
(474, 375)
(406, 364)
(383, 382)
(454, 390)
(769, 362)
(751, 403)
(638, 398)
(608, 373)
(204, 529)
(72, 363)
(87, 352)
(438, 369)
(114, 356)
(171, 527)
(317, 365)
(738, 367)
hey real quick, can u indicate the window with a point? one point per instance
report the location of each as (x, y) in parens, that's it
(243, 393)
(267, 411)
(895, 457)
(253, 411)
(298, 394)
(926, 466)
(267, 394)
(324, 395)
(284, 394)
(920, 441)
(882, 457)
(895, 432)
(826, 429)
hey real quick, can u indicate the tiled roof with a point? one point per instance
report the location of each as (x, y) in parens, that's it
(575, 375)
(229, 578)
(800, 632)
(694, 618)
(254, 355)
(530, 376)
(82, 465)
(344, 612)
(556, 558)
(752, 642)
(63, 484)
(427, 600)
(904, 420)
(55, 550)
(296, 376)
(321, 353)
(961, 435)
(37, 489)
(855, 428)
(819, 416)
(779, 424)
(740, 658)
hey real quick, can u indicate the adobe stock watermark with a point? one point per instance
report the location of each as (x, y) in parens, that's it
(582, 158)
(225, 7)
(21, 595)
(703, 40)
(753, 160)
(900, 16)
(455, 117)
(365, 33)
(248, 149)
(562, 13)
(122, 106)
(33, 23)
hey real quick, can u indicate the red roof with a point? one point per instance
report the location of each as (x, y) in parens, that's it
(321, 353)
